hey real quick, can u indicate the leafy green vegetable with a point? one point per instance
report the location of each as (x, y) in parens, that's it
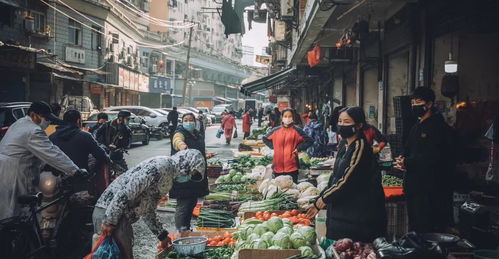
(306, 251)
(253, 236)
(281, 240)
(267, 237)
(286, 230)
(274, 224)
(260, 229)
(275, 248)
(308, 233)
(298, 240)
(259, 244)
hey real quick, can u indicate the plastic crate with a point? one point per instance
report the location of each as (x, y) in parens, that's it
(398, 223)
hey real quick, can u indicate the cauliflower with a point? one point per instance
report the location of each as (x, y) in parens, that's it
(323, 178)
(294, 192)
(264, 185)
(322, 186)
(304, 185)
(284, 182)
(271, 190)
(312, 191)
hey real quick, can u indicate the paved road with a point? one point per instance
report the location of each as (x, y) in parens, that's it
(145, 242)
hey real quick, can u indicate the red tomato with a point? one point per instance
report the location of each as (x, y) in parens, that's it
(232, 243)
(305, 222)
(273, 214)
(286, 214)
(221, 243)
(295, 212)
(227, 235)
(259, 214)
(294, 220)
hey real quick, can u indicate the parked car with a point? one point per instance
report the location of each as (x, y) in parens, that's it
(140, 130)
(158, 122)
(10, 113)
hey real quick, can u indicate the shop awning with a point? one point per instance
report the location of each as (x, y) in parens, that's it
(60, 68)
(267, 82)
(105, 84)
(21, 47)
(221, 99)
(67, 77)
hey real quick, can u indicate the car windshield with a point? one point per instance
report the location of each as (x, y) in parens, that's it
(111, 116)
(218, 109)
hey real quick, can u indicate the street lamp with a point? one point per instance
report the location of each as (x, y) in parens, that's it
(450, 65)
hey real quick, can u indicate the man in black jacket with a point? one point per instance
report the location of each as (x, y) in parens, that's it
(76, 143)
(101, 119)
(428, 163)
(173, 118)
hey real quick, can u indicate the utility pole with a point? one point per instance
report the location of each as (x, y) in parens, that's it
(186, 77)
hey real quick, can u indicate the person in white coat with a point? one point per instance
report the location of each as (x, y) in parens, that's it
(24, 150)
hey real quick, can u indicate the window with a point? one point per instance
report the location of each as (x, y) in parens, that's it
(6, 14)
(18, 113)
(145, 59)
(74, 32)
(96, 38)
(39, 20)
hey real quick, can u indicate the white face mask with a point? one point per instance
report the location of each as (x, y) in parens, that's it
(44, 124)
(287, 121)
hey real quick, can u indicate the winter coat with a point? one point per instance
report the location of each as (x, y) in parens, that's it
(228, 122)
(247, 123)
(284, 140)
(316, 131)
(77, 145)
(24, 150)
(137, 192)
(190, 189)
(113, 133)
(354, 196)
(173, 118)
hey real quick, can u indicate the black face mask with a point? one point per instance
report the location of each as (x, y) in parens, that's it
(419, 110)
(347, 131)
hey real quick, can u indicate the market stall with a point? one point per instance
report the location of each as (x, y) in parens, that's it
(249, 214)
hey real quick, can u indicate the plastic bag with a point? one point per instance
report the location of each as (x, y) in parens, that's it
(105, 248)
(220, 132)
(235, 133)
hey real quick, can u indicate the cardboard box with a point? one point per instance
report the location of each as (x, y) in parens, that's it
(276, 254)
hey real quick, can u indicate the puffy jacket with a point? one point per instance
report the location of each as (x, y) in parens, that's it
(284, 140)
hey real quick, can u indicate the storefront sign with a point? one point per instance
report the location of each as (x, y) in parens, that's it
(17, 58)
(128, 79)
(158, 84)
(95, 89)
(282, 102)
(143, 83)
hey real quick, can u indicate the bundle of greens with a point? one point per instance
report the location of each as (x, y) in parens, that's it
(215, 218)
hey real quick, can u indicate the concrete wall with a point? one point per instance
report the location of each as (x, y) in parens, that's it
(370, 93)
(397, 84)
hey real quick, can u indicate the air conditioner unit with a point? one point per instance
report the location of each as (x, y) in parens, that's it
(287, 8)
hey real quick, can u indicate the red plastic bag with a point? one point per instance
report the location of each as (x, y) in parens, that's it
(97, 244)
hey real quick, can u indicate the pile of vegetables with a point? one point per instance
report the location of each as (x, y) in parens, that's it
(249, 162)
(278, 201)
(234, 187)
(292, 215)
(214, 163)
(322, 181)
(222, 240)
(257, 132)
(347, 249)
(216, 253)
(275, 233)
(234, 177)
(215, 218)
(303, 192)
(232, 206)
(389, 180)
(227, 196)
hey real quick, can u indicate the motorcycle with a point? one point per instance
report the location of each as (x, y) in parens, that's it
(58, 223)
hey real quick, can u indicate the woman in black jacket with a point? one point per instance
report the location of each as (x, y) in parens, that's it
(354, 197)
(188, 191)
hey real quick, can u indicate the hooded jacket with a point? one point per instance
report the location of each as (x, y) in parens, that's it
(316, 131)
(77, 145)
(137, 192)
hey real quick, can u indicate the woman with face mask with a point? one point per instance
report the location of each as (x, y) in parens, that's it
(287, 140)
(354, 197)
(187, 192)
(136, 193)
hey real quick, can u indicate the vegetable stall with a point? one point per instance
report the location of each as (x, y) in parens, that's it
(248, 214)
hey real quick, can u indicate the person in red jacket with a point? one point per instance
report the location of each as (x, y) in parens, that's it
(287, 140)
(247, 121)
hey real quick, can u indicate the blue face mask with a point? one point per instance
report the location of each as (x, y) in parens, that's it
(189, 126)
(183, 178)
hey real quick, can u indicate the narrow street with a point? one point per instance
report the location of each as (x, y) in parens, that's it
(145, 242)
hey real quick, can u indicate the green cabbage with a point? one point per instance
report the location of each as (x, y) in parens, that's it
(306, 251)
(253, 237)
(282, 240)
(246, 231)
(308, 232)
(260, 229)
(274, 224)
(286, 230)
(267, 237)
(287, 222)
(298, 240)
(259, 244)
(236, 178)
(232, 172)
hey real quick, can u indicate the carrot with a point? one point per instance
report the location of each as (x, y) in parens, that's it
(220, 243)
(294, 220)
